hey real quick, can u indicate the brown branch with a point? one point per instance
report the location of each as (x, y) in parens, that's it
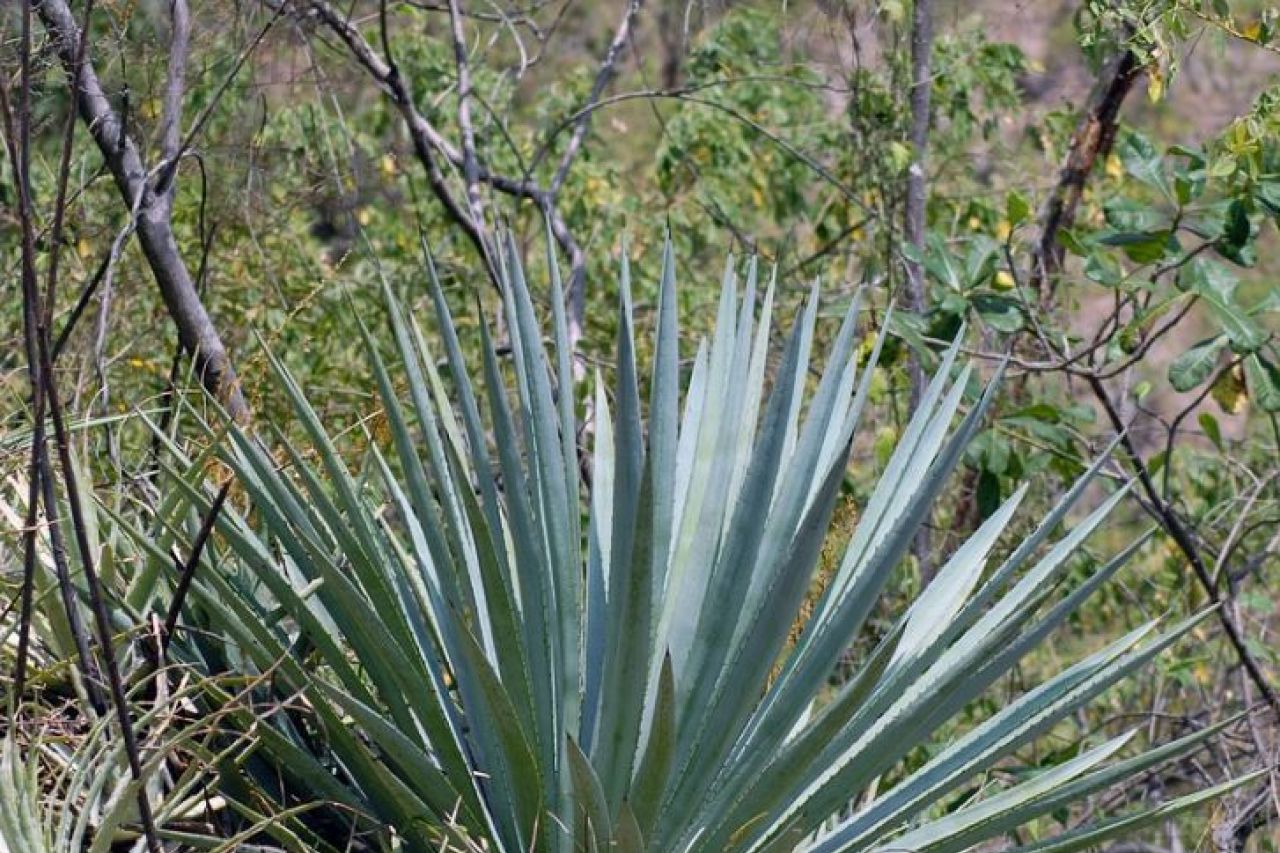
(155, 231)
(427, 140)
(187, 568)
(1094, 134)
(97, 603)
(576, 294)
(1169, 520)
(914, 220)
(433, 150)
(40, 477)
(46, 391)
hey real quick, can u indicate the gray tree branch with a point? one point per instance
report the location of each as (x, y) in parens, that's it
(155, 231)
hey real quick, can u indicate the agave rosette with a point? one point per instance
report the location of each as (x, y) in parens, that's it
(502, 651)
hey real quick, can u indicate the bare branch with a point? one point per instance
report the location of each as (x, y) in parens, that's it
(603, 77)
(1169, 520)
(175, 86)
(155, 232)
(45, 391)
(433, 150)
(914, 221)
(1093, 137)
(470, 165)
(427, 140)
(187, 568)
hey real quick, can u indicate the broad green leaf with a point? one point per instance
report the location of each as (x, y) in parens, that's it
(1196, 364)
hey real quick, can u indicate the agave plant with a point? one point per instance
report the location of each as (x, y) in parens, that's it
(72, 792)
(500, 651)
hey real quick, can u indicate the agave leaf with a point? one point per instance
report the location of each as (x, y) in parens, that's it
(599, 557)
(531, 573)
(554, 475)
(664, 425)
(961, 831)
(659, 753)
(627, 837)
(711, 644)
(708, 493)
(514, 780)
(590, 797)
(971, 817)
(465, 590)
(1089, 836)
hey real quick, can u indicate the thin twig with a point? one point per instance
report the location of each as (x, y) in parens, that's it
(1169, 520)
(603, 77)
(47, 383)
(470, 164)
(187, 570)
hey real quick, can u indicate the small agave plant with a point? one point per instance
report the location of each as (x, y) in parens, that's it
(522, 657)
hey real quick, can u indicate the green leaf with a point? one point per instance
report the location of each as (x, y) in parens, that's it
(659, 753)
(1142, 160)
(1212, 430)
(1264, 382)
(593, 807)
(980, 261)
(1132, 216)
(940, 263)
(1143, 247)
(1017, 208)
(1216, 285)
(999, 312)
(1196, 364)
(1236, 241)
(1101, 267)
(1268, 195)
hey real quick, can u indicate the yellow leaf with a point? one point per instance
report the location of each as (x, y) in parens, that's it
(1155, 85)
(1003, 280)
(1115, 168)
(1230, 391)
